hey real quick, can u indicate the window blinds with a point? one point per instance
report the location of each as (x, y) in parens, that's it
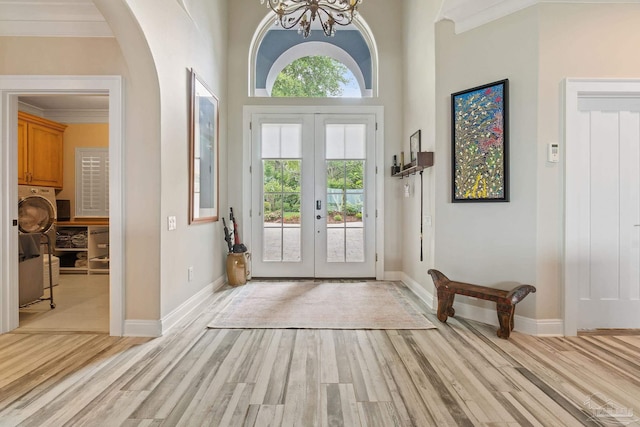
(92, 182)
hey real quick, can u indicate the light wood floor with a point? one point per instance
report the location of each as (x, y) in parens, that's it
(457, 374)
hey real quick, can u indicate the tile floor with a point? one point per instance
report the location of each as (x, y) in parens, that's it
(82, 305)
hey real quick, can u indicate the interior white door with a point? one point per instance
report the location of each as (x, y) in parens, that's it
(609, 220)
(313, 195)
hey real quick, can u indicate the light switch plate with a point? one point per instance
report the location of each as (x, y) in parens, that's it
(553, 152)
(172, 224)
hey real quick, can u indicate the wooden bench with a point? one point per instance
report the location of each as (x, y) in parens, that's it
(505, 300)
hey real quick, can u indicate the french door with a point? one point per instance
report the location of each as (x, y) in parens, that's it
(313, 195)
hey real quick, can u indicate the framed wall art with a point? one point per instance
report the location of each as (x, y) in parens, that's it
(479, 140)
(414, 147)
(203, 153)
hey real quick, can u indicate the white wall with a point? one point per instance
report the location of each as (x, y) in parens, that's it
(576, 40)
(490, 243)
(102, 56)
(536, 48)
(386, 25)
(419, 114)
(141, 147)
(179, 40)
(156, 43)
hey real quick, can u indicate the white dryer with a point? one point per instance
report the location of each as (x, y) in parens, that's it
(46, 192)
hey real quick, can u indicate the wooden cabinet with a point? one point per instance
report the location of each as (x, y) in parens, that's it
(39, 151)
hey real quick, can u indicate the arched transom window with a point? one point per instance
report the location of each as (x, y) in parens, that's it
(286, 64)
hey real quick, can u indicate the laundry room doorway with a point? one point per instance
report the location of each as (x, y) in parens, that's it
(63, 155)
(14, 89)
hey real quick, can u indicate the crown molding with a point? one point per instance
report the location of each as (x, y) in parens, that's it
(67, 116)
(77, 116)
(52, 18)
(469, 14)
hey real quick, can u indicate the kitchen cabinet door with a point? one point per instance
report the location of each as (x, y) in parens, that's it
(22, 152)
(39, 151)
(45, 156)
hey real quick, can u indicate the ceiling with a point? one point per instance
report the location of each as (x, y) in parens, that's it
(81, 18)
(67, 108)
(67, 102)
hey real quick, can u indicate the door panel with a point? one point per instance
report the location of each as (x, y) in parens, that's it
(609, 269)
(345, 172)
(22, 152)
(44, 156)
(282, 226)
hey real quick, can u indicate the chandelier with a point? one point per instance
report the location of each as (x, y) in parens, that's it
(302, 13)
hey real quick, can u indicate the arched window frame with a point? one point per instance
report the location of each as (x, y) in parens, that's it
(307, 49)
(318, 49)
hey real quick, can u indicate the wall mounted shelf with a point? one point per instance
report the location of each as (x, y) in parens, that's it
(424, 160)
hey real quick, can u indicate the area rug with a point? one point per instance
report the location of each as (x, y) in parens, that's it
(311, 305)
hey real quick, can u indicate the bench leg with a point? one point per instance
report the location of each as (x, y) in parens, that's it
(445, 305)
(505, 317)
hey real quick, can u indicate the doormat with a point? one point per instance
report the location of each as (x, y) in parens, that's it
(311, 305)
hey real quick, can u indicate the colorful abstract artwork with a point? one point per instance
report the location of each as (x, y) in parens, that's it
(479, 139)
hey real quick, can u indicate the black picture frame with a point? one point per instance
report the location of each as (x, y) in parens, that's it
(480, 143)
(414, 147)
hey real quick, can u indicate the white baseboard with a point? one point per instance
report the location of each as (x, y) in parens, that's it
(156, 328)
(526, 325)
(142, 328)
(170, 320)
(425, 296)
(393, 276)
(541, 327)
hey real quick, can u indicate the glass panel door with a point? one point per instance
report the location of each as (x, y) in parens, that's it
(280, 226)
(345, 177)
(313, 196)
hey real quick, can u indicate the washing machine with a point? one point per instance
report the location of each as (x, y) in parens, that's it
(49, 194)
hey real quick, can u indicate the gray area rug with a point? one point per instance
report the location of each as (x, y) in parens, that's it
(311, 305)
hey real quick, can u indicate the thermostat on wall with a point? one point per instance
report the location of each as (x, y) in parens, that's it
(553, 152)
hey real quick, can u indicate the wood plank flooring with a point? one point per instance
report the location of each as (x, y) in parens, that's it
(459, 374)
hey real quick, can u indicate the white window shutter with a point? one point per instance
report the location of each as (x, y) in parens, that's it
(92, 182)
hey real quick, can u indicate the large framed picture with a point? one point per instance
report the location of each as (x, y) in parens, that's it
(203, 153)
(480, 136)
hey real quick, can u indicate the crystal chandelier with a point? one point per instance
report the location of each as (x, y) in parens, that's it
(302, 13)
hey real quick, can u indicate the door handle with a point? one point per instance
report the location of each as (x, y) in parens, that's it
(318, 205)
